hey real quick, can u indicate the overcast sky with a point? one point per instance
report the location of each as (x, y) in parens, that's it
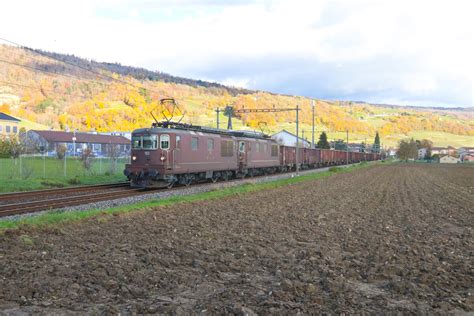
(398, 52)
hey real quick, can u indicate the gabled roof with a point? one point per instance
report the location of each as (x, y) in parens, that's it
(291, 134)
(66, 137)
(7, 117)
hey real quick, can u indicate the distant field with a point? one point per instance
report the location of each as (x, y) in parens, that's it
(32, 173)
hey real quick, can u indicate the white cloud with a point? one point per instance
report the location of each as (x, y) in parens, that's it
(370, 49)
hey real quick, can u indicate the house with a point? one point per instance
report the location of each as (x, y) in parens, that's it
(289, 139)
(8, 124)
(439, 151)
(452, 151)
(448, 159)
(391, 152)
(468, 158)
(356, 147)
(127, 135)
(76, 143)
(465, 151)
(422, 153)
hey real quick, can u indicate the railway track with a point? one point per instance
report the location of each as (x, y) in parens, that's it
(17, 203)
(77, 196)
(75, 189)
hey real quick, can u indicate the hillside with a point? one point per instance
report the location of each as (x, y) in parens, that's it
(68, 92)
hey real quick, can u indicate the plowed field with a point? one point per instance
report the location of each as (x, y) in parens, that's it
(389, 238)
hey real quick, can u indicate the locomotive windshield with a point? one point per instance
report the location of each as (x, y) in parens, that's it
(136, 142)
(150, 142)
(145, 142)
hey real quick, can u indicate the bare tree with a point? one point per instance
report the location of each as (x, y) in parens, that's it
(86, 158)
(61, 151)
(113, 152)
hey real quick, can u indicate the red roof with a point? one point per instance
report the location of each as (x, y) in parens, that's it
(66, 137)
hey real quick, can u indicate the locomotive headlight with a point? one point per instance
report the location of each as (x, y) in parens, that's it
(134, 158)
(162, 158)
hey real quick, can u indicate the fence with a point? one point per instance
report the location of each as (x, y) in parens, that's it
(40, 167)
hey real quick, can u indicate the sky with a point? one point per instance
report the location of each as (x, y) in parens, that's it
(381, 51)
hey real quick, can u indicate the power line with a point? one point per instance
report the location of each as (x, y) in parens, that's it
(47, 71)
(38, 88)
(78, 66)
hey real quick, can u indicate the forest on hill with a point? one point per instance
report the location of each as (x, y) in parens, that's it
(67, 92)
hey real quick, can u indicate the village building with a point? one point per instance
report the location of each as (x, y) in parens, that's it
(468, 158)
(75, 143)
(448, 159)
(422, 153)
(465, 151)
(289, 139)
(439, 151)
(8, 124)
(357, 147)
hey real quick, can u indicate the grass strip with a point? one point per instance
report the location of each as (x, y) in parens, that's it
(52, 218)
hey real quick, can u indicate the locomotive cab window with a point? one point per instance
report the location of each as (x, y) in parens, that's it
(136, 142)
(150, 142)
(165, 141)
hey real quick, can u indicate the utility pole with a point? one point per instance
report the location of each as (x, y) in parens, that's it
(365, 148)
(312, 138)
(74, 142)
(347, 146)
(217, 111)
(297, 140)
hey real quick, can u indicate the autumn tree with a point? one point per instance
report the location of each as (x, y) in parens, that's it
(407, 149)
(323, 141)
(426, 144)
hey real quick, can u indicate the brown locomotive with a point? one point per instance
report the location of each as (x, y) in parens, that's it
(172, 153)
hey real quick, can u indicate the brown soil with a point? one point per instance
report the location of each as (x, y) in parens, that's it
(391, 238)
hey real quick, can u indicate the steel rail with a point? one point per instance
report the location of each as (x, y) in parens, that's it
(21, 195)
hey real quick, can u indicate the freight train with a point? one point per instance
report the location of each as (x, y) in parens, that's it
(174, 153)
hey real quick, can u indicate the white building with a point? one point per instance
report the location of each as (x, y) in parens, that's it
(289, 139)
(421, 153)
(448, 159)
(465, 151)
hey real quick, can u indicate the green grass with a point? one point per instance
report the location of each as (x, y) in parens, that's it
(53, 218)
(445, 139)
(32, 125)
(32, 173)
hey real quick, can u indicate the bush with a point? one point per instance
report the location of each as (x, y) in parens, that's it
(53, 184)
(74, 180)
(61, 151)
